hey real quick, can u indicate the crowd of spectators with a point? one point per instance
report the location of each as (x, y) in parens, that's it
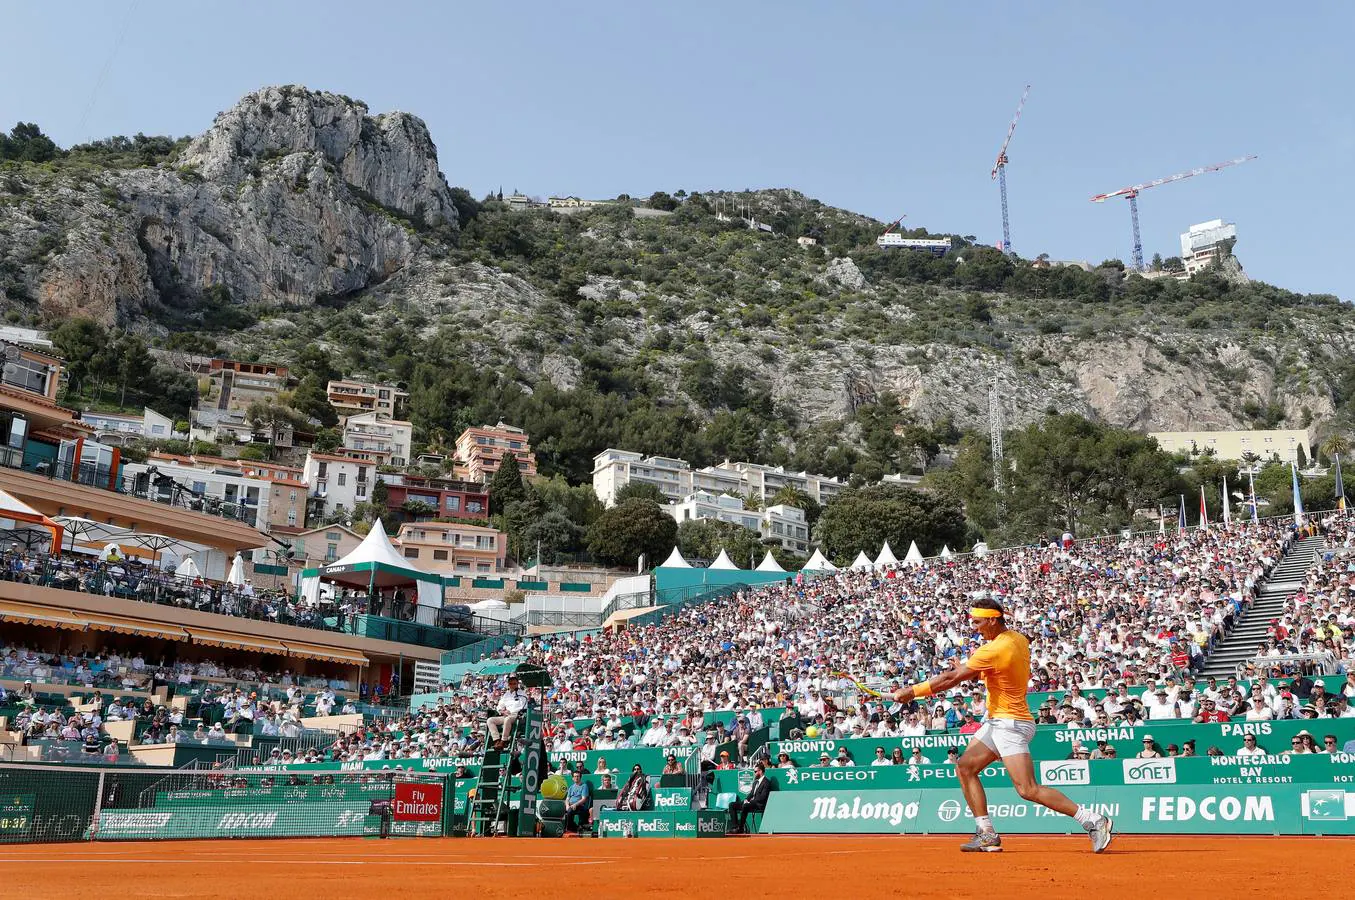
(1319, 620)
(1114, 614)
(135, 580)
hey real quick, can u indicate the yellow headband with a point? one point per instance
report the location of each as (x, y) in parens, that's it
(985, 613)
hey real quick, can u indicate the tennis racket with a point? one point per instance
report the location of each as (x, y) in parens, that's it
(861, 685)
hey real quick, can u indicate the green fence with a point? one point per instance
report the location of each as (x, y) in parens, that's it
(47, 803)
(1155, 809)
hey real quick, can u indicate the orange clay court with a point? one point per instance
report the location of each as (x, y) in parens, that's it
(772, 866)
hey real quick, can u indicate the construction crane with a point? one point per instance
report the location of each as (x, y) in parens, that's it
(1000, 171)
(1132, 194)
(893, 225)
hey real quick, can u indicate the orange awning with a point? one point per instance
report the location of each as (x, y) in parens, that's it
(35, 614)
(328, 654)
(209, 638)
(120, 625)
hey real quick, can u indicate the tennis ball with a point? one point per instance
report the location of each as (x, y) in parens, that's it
(812, 731)
(554, 788)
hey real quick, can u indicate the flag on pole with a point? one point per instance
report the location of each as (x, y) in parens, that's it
(1181, 519)
(1204, 509)
(1298, 498)
(1227, 513)
(1251, 478)
(1340, 486)
(1161, 520)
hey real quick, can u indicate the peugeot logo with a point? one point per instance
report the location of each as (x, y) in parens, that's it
(949, 810)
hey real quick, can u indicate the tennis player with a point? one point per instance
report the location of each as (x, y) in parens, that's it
(1004, 665)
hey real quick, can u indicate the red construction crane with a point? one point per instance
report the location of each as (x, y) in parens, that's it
(1132, 194)
(893, 225)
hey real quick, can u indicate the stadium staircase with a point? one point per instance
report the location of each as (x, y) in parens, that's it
(1272, 597)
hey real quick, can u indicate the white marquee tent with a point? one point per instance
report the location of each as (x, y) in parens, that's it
(373, 564)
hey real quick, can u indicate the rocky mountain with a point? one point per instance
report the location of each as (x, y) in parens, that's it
(299, 219)
(289, 197)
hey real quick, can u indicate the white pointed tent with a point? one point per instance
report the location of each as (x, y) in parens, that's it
(861, 562)
(723, 561)
(914, 557)
(981, 549)
(373, 564)
(819, 563)
(945, 551)
(886, 557)
(769, 564)
(675, 561)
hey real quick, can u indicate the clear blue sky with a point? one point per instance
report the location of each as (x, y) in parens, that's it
(883, 108)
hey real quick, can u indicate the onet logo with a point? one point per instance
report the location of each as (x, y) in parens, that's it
(1073, 771)
(1149, 771)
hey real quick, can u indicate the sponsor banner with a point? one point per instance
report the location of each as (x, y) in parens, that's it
(711, 823)
(278, 794)
(1054, 742)
(316, 819)
(1154, 809)
(445, 764)
(1057, 773)
(1315, 768)
(650, 759)
(672, 798)
(683, 824)
(417, 803)
(613, 823)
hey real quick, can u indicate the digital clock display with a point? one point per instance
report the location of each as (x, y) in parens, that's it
(16, 814)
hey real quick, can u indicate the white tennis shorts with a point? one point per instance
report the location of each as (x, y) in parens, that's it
(1007, 737)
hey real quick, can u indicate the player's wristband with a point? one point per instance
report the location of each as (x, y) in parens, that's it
(922, 689)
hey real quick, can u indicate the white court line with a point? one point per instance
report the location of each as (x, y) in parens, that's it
(313, 862)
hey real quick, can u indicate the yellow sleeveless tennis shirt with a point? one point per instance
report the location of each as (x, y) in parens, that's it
(1004, 664)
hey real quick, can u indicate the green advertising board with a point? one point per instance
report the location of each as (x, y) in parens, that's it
(251, 819)
(1175, 809)
(1056, 742)
(672, 798)
(1315, 768)
(660, 823)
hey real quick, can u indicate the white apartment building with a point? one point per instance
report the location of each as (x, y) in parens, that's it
(1282, 442)
(379, 437)
(785, 524)
(614, 469)
(177, 482)
(337, 481)
(118, 428)
(765, 481)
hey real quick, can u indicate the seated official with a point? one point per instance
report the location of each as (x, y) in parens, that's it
(755, 802)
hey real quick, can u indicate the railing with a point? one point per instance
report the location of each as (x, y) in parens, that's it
(1326, 662)
(134, 581)
(143, 488)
